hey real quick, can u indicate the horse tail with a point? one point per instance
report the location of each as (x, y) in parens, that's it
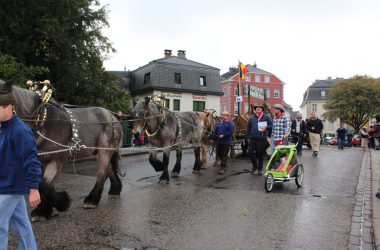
(115, 158)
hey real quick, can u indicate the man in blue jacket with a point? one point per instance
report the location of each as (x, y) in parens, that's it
(259, 129)
(20, 173)
(223, 134)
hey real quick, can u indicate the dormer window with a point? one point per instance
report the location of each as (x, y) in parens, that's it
(323, 93)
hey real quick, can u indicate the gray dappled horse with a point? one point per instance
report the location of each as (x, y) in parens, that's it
(164, 129)
(209, 121)
(96, 127)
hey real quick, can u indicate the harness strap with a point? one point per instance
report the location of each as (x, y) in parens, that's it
(74, 126)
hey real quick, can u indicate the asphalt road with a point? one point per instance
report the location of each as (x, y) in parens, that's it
(209, 211)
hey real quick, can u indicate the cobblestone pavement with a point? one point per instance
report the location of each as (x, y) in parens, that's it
(361, 235)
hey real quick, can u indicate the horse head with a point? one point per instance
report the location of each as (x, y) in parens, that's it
(145, 114)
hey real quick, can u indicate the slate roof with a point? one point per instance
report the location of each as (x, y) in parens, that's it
(175, 60)
(251, 69)
(313, 93)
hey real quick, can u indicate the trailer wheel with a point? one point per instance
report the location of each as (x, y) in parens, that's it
(299, 175)
(269, 183)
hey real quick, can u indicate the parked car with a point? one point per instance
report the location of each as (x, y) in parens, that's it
(356, 141)
(334, 142)
(327, 139)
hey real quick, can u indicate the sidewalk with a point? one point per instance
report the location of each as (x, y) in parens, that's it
(375, 165)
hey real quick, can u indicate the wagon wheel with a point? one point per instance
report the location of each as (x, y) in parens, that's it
(299, 175)
(269, 183)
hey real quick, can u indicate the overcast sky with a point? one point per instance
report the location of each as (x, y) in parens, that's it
(297, 40)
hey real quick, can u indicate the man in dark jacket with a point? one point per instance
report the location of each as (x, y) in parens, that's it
(259, 130)
(298, 130)
(315, 127)
(223, 134)
(20, 173)
(341, 136)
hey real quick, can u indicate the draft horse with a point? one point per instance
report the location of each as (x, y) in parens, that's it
(209, 121)
(166, 129)
(56, 128)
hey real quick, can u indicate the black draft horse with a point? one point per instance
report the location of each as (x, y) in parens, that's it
(166, 129)
(94, 127)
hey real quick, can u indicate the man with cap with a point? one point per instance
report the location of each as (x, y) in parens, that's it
(298, 130)
(258, 130)
(315, 127)
(20, 173)
(223, 134)
(281, 126)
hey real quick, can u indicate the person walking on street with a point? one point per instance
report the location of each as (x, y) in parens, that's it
(298, 129)
(223, 134)
(281, 126)
(341, 136)
(363, 138)
(349, 138)
(315, 126)
(259, 130)
(20, 174)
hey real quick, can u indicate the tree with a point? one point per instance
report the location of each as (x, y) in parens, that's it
(10, 69)
(66, 37)
(354, 101)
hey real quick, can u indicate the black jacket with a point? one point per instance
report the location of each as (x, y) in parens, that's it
(317, 124)
(302, 127)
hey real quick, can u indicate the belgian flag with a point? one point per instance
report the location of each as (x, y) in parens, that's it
(242, 71)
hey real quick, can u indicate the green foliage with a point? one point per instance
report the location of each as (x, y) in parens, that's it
(66, 37)
(354, 101)
(17, 72)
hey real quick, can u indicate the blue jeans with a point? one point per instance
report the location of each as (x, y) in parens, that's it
(340, 144)
(13, 213)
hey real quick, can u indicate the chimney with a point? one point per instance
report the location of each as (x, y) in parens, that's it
(168, 53)
(329, 78)
(181, 54)
(232, 69)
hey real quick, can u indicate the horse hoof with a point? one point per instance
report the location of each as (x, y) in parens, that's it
(163, 181)
(114, 196)
(36, 218)
(175, 175)
(89, 206)
(196, 172)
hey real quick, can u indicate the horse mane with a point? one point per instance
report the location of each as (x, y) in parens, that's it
(26, 102)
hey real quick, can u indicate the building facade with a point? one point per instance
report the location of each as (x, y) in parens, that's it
(313, 100)
(262, 85)
(187, 85)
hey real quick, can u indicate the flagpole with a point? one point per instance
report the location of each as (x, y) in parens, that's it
(238, 92)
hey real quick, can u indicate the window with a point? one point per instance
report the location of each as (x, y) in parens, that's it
(167, 103)
(177, 78)
(266, 93)
(202, 81)
(323, 93)
(236, 91)
(247, 77)
(267, 78)
(236, 108)
(257, 78)
(245, 107)
(176, 104)
(245, 90)
(147, 78)
(224, 91)
(313, 107)
(276, 94)
(199, 106)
